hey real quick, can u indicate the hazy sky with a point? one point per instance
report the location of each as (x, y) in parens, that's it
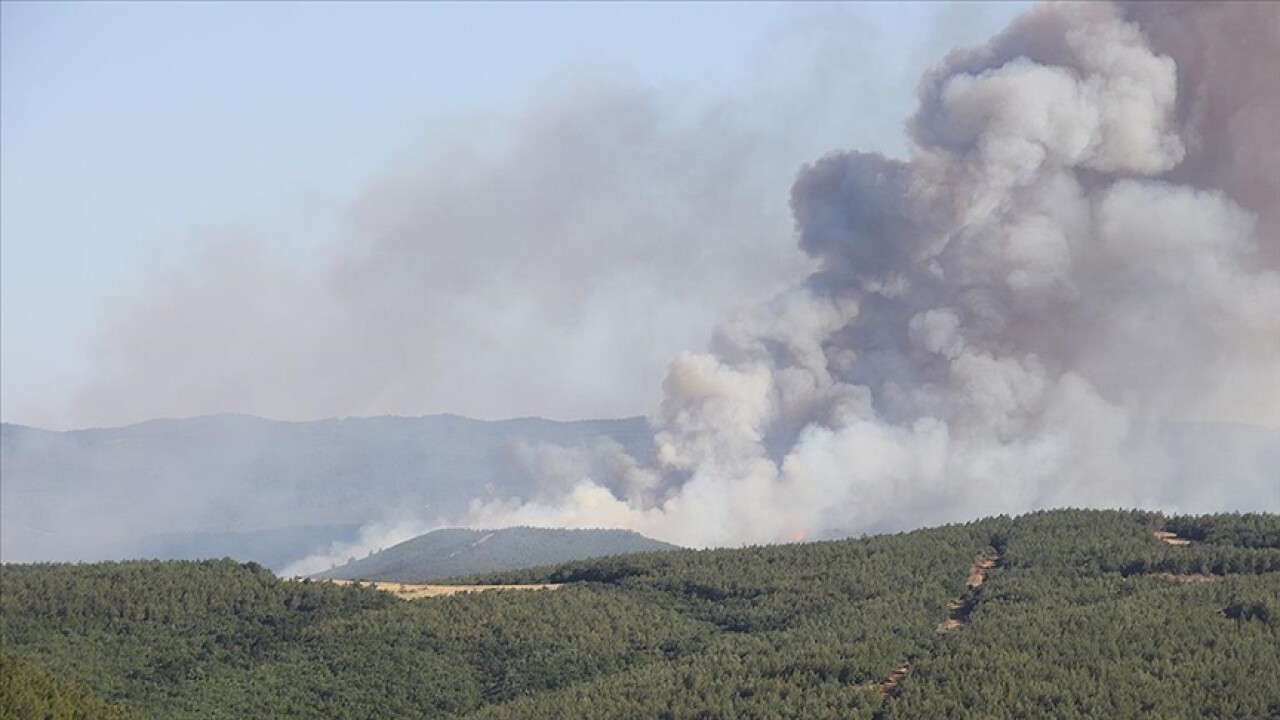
(133, 132)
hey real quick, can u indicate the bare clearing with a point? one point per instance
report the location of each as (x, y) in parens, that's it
(1187, 578)
(1171, 538)
(958, 610)
(981, 567)
(895, 678)
(953, 621)
(961, 607)
(948, 625)
(410, 591)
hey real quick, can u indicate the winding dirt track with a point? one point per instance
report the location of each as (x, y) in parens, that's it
(961, 607)
(959, 611)
(983, 565)
(895, 678)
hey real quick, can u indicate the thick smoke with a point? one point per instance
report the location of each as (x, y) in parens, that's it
(1081, 248)
(1228, 101)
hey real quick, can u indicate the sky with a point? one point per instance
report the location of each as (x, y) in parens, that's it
(134, 133)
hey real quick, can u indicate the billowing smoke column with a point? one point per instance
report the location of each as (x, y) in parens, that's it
(1082, 247)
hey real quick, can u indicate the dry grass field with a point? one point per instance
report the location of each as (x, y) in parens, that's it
(1172, 539)
(409, 591)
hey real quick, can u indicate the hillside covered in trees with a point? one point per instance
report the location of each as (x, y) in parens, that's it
(1062, 614)
(455, 552)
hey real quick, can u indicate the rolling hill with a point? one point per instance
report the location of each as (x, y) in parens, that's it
(456, 552)
(1068, 614)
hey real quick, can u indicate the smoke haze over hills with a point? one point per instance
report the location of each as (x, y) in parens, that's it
(1081, 251)
(1003, 321)
(263, 490)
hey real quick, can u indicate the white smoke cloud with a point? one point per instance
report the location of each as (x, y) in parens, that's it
(1000, 323)
(374, 537)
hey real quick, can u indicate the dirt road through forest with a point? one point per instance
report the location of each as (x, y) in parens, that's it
(959, 609)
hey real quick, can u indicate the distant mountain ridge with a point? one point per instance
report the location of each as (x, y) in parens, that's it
(265, 490)
(274, 548)
(457, 552)
(182, 488)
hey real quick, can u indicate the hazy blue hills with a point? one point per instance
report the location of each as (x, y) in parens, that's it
(455, 552)
(235, 485)
(273, 492)
(275, 547)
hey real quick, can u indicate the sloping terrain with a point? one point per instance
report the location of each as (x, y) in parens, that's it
(1070, 625)
(1074, 620)
(456, 552)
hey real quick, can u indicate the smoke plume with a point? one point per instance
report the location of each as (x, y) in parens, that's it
(1081, 248)
(1080, 251)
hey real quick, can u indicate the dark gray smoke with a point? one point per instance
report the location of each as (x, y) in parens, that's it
(1081, 248)
(1228, 101)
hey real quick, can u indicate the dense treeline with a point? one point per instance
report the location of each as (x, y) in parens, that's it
(1091, 616)
(1252, 530)
(1086, 615)
(805, 630)
(1106, 647)
(1123, 542)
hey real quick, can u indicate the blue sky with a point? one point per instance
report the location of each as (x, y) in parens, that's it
(132, 131)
